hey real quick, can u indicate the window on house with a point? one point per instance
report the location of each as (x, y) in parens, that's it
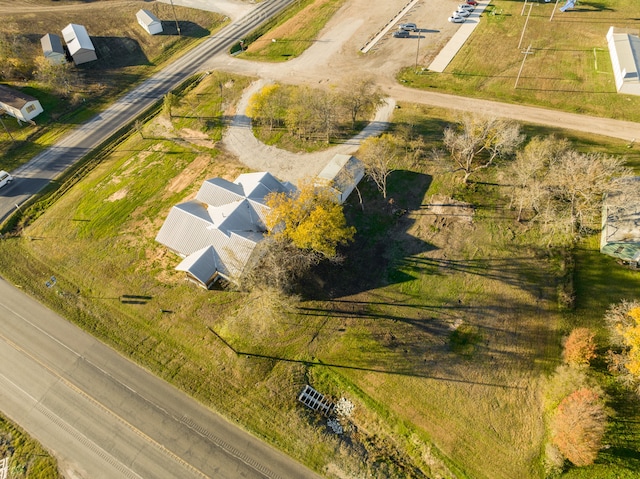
(30, 108)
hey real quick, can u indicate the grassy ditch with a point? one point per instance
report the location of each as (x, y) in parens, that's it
(292, 33)
(440, 325)
(27, 457)
(569, 70)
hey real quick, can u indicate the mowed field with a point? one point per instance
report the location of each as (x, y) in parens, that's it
(569, 68)
(440, 326)
(126, 55)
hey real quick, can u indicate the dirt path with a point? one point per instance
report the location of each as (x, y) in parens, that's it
(9, 7)
(288, 166)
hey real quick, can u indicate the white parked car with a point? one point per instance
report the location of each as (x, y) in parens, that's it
(462, 13)
(5, 178)
(466, 6)
(456, 18)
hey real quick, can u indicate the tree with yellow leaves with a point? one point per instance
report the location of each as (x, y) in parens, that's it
(311, 219)
(623, 320)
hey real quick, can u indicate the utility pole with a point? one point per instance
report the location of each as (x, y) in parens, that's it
(175, 17)
(418, 48)
(526, 53)
(525, 25)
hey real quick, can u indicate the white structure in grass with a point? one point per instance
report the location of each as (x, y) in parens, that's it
(624, 49)
(79, 44)
(19, 105)
(149, 22)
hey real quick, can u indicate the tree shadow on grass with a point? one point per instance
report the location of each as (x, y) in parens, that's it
(187, 29)
(116, 52)
(381, 237)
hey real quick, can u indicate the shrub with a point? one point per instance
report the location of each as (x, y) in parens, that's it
(579, 347)
(578, 426)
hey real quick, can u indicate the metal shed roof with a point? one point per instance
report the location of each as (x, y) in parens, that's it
(77, 38)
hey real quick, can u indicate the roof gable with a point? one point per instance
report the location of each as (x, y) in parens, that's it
(14, 98)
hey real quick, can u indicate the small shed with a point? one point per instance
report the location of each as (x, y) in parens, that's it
(79, 44)
(52, 49)
(624, 50)
(620, 236)
(19, 105)
(149, 21)
(342, 174)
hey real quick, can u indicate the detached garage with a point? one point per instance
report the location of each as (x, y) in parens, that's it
(624, 50)
(149, 22)
(19, 105)
(79, 44)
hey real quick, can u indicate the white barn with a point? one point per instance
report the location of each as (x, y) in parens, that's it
(342, 174)
(624, 50)
(149, 21)
(79, 44)
(19, 105)
(52, 49)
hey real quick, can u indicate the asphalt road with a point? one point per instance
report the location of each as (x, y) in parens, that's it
(107, 418)
(35, 175)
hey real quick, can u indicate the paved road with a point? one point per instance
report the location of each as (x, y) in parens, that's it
(33, 176)
(107, 418)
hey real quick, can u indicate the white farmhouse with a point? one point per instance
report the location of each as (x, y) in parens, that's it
(79, 44)
(52, 49)
(19, 105)
(149, 21)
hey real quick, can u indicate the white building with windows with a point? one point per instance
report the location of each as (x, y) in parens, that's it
(19, 105)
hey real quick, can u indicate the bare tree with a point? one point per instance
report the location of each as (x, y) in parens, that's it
(475, 142)
(360, 96)
(380, 157)
(170, 101)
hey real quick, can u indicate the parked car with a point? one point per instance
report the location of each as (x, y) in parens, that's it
(401, 34)
(462, 12)
(466, 6)
(5, 178)
(456, 18)
(409, 27)
(472, 2)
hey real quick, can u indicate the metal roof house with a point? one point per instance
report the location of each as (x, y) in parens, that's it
(342, 174)
(149, 22)
(52, 49)
(217, 232)
(624, 50)
(19, 105)
(620, 236)
(79, 44)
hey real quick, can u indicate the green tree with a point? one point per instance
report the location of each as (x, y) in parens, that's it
(310, 218)
(170, 101)
(360, 96)
(268, 106)
(60, 78)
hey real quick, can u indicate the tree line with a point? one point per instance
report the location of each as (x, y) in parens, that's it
(315, 114)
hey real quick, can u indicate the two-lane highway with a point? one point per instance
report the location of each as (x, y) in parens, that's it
(107, 418)
(33, 176)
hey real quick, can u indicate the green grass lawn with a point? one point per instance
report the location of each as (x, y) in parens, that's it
(569, 70)
(440, 325)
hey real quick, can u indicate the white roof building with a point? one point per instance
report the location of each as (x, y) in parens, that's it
(342, 174)
(620, 236)
(149, 21)
(52, 48)
(19, 105)
(217, 232)
(79, 43)
(624, 50)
